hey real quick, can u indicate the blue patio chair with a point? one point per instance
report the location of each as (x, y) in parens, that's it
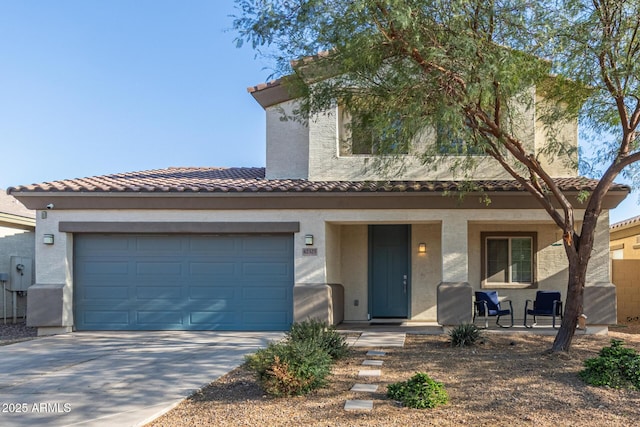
(487, 304)
(547, 303)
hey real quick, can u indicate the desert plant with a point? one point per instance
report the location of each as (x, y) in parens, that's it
(321, 334)
(464, 335)
(290, 367)
(616, 367)
(419, 392)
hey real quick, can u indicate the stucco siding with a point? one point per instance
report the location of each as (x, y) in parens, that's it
(426, 271)
(20, 243)
(333, 253)
(341, 240)
(627, 240)
(313, 152)
(288, 144)
(566, 133)
(355, 271)
(599, 265)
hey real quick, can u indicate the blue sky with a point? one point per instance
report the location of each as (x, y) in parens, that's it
(91, 87)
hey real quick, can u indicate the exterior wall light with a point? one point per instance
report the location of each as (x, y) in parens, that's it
(422, 248)
(47, 239)
(308, 240)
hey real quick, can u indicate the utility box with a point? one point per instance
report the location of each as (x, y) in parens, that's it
(21, 274)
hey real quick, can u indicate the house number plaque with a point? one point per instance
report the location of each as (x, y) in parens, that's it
(309, 251)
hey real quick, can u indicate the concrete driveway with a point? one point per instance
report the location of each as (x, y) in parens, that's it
(113, 378)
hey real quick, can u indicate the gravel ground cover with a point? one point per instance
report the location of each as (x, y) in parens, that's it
(507, 380)
(15, 332)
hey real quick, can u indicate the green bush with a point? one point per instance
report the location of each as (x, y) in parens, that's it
(419, 392)
(616, 367)
(321, 334)
(290, 367)
(464, 335)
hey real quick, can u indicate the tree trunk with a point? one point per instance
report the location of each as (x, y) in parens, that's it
(578, 249)
(573, 306)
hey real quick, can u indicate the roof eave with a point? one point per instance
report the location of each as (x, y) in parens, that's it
(62, 200)
(17, 221)
(270, 94)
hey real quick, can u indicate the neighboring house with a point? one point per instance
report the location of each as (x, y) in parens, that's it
(625, 267)
(624, 239)
(319, 232)
(17, 246)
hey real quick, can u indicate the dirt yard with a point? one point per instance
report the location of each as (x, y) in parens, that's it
(506, 380)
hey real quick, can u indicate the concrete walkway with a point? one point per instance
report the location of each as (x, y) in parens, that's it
(113, 378)
(380, 339)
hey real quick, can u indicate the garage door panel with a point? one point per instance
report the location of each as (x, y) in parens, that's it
(213, 317)
(158, 244)
(264, 317)
(102, 267)
(109, 292)
(212, 293)
(170, 293)
(114, 318)
(221, 245)
(126, 282)
(264, 269)
(213, 269)
(104, 244)
(159, 318)
(264, 293)
(159, 268)
(259, 245)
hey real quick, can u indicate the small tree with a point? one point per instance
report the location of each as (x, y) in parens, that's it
(468, 68)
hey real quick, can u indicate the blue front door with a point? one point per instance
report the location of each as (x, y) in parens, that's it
(389, 271)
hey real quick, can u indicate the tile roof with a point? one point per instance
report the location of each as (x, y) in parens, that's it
(625, 223)
(252, 180)
(10, 205)
(263, 86)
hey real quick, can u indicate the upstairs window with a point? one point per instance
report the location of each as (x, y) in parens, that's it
(452, 143)
(358, 136)
(508, 260)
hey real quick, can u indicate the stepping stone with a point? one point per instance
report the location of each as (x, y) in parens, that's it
(372, 362)
(376, 353)
(365, 388)
(358, 405)
(369, 373)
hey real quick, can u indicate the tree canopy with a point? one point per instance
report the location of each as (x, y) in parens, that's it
(469, 67)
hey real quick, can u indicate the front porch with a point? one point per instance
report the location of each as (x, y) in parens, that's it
(433, 328)
(446, 262)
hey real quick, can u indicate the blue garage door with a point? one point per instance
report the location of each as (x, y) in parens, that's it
(178, 282)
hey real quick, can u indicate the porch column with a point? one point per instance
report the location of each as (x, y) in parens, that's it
(455, 254)
(317, 263)
(455, 300)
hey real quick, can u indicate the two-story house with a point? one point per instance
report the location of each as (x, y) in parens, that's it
(319, 232)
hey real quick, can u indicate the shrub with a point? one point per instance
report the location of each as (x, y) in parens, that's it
(615, 367)
(321, 334)
(290, 367)
(419, 392)
(464, 335)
